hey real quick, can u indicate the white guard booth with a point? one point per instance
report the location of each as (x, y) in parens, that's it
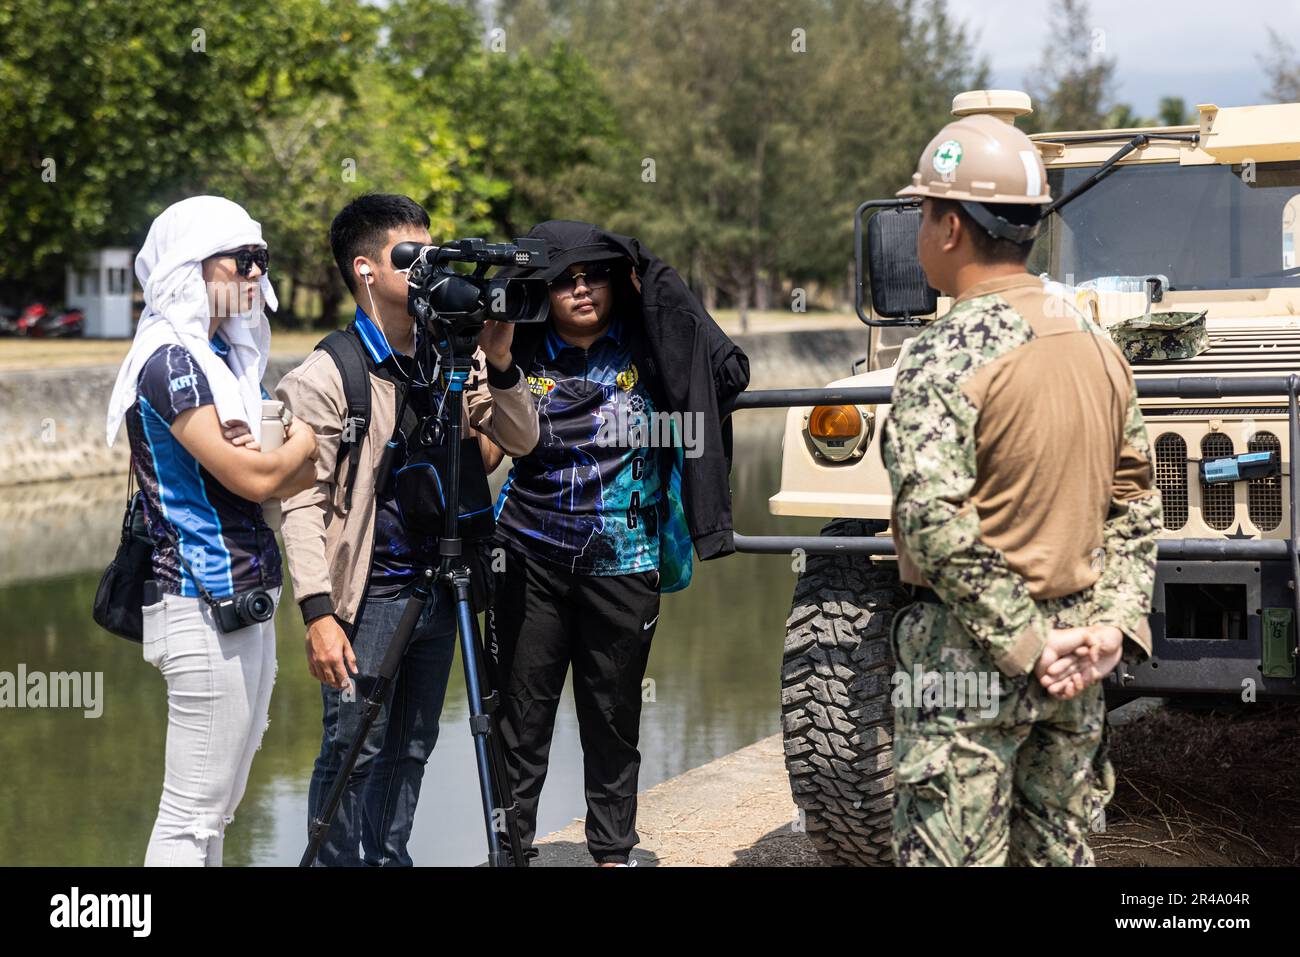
(103, 291)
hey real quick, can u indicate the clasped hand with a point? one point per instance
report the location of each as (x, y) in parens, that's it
(1075, 658)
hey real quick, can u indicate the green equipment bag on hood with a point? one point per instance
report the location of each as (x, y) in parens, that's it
(1161, 336)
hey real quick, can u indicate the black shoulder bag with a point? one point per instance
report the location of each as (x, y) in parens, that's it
(120, 594)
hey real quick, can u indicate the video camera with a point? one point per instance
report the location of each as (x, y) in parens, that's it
(450, 308)
(457, 303)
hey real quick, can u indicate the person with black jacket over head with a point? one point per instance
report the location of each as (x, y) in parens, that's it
(633, 382)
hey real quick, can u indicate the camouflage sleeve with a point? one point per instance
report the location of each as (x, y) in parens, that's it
(929, 450)
(1128, 575)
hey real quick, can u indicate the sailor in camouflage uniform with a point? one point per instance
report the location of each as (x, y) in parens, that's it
(1025, 520)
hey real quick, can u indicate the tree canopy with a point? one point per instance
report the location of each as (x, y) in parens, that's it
(735, 137)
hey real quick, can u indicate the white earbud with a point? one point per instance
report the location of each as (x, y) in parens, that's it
(365, 269)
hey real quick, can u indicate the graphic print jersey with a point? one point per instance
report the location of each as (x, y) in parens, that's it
(583, 504)
(223, 537)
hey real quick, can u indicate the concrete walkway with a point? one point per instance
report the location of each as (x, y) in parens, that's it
(735, 811)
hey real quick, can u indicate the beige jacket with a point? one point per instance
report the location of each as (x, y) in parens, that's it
(1022, 469)
(329, 550)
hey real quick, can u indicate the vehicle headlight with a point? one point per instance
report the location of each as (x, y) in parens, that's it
(838, 432)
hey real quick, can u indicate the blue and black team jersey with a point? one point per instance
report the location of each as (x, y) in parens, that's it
(585, 505)
(399, 554)
(222, 536)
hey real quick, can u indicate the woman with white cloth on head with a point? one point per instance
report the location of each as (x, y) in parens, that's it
(190, 392)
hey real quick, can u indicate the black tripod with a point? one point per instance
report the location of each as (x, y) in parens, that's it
(500, 811)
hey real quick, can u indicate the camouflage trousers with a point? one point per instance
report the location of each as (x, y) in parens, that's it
(991, 770)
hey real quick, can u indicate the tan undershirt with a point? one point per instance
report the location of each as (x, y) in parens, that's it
(1047, 444)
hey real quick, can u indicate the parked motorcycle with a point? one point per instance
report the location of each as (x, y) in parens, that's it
(38, 321)
(60, 325)
(30, 318)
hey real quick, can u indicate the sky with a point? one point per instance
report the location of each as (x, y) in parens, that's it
(1206, 51)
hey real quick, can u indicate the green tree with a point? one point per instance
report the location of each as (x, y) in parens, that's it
(109, 109)
(735, 137)
(1282, 68)
(482, 135)
(296, 170)
(1122, 116)
(530, 105)
(752, 129)
(1071, 86)
(1173, 111)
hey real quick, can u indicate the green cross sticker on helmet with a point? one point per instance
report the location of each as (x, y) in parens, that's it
(946, 157)
(980, 159)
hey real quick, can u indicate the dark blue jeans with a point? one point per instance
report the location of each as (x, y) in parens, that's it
(374, 818)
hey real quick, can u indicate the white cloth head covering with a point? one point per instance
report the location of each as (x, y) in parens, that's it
(176, 312)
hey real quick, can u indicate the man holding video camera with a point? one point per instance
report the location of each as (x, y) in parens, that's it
(353, 561)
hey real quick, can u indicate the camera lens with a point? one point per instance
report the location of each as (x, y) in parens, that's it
(430, 432)
(258, 605)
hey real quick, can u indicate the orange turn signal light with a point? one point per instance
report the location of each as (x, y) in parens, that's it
(835, 422)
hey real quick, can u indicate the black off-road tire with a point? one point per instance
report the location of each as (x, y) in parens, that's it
(835, 689)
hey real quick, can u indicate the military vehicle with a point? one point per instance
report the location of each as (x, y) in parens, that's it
(1195, 219)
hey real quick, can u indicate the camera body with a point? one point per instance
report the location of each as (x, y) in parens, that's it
(242, 609)
(458, 303)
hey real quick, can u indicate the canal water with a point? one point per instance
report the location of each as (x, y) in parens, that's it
(84, 791)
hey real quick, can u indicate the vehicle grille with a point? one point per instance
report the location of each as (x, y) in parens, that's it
(1171, 478)
(1216, 500)
(1264, 495)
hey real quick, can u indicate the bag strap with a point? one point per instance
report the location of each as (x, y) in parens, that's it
(345, 348)
(203, 592)
(129, 514)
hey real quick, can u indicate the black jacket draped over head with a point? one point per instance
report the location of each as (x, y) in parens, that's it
(691, 364)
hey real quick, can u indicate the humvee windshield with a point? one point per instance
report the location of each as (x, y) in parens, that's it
(1205, 227)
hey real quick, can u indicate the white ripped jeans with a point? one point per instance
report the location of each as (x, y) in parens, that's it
(218, 698)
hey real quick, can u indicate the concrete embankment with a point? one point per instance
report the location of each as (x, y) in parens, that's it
(53, 423)
(53, 426)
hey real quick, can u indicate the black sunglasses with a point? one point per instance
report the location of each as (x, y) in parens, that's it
(244, 259)
(593, 277)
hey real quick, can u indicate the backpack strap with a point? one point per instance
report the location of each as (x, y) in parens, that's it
(345, 348)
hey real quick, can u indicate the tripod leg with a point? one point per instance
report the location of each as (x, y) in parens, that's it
(493, 781)
(496, 749)
(479, 727)
(505, 793)
(491, 701)
(499, 809)
(370, 709)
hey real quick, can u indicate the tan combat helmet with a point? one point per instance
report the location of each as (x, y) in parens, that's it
(982, 159)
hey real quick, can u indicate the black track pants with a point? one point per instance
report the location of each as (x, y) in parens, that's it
(543, 620)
